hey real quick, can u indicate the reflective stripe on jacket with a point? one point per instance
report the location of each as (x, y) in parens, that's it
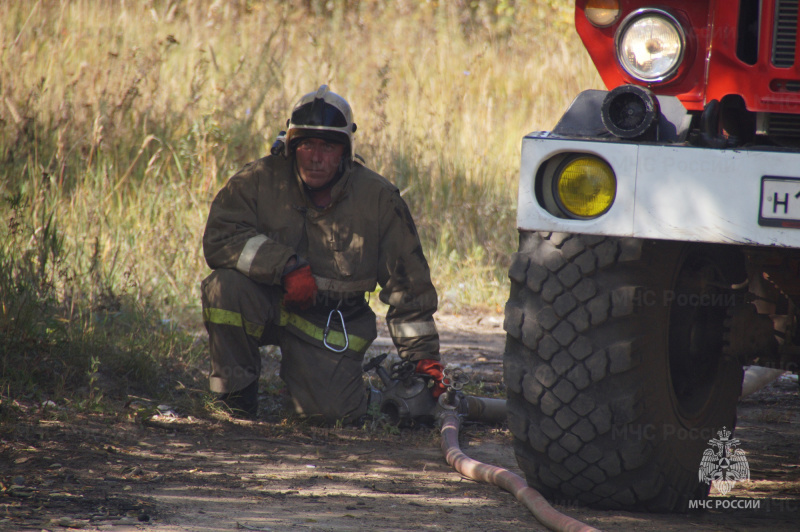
(334, 337)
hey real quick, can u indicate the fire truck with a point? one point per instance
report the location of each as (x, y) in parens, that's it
(659, 249)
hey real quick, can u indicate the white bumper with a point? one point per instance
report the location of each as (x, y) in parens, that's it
(672, 192)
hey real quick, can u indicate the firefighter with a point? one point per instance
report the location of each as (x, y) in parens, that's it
(295, 240)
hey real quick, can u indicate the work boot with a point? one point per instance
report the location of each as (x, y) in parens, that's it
(243, 403)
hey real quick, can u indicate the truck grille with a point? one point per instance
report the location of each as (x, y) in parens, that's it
(784, 125)
(784, 41)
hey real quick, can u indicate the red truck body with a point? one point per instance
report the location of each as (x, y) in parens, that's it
(732, 48)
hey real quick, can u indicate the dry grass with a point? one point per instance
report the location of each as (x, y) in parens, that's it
(120, 120)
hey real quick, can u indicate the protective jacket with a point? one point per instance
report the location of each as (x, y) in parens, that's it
(365, 237)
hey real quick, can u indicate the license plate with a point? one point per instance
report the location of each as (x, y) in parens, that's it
(780, 202)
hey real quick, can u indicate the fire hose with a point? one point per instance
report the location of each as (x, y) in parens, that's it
(405, 399)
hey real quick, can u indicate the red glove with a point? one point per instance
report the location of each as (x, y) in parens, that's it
(435, 369)
(301, 289)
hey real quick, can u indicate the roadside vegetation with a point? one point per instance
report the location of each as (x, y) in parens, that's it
(119, 121)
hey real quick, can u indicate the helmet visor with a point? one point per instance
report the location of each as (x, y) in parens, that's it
(318, 113)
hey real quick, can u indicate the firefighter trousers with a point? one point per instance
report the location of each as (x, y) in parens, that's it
(241, 315)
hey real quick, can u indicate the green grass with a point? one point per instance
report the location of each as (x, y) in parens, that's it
(119, 122)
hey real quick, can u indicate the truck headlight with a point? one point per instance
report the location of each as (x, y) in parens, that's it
(585, 186)
(650, 45)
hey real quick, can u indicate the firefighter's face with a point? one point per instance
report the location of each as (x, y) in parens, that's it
(318, 160)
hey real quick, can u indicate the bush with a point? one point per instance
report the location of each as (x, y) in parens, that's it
(119, 121)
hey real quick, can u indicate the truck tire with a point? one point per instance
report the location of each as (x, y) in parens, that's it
(615, 366)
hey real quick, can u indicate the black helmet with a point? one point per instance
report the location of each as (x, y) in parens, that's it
(322, 114)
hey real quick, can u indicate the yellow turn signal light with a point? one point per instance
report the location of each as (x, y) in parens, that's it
(602, 13)
(586, 187)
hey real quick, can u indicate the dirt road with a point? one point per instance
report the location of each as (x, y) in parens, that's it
(135, 471)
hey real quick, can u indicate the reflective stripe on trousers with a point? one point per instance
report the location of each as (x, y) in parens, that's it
(227, 317)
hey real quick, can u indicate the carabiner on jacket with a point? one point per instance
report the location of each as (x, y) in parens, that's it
(328, 328)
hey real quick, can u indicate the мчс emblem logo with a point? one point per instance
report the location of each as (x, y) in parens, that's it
(724, 465)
